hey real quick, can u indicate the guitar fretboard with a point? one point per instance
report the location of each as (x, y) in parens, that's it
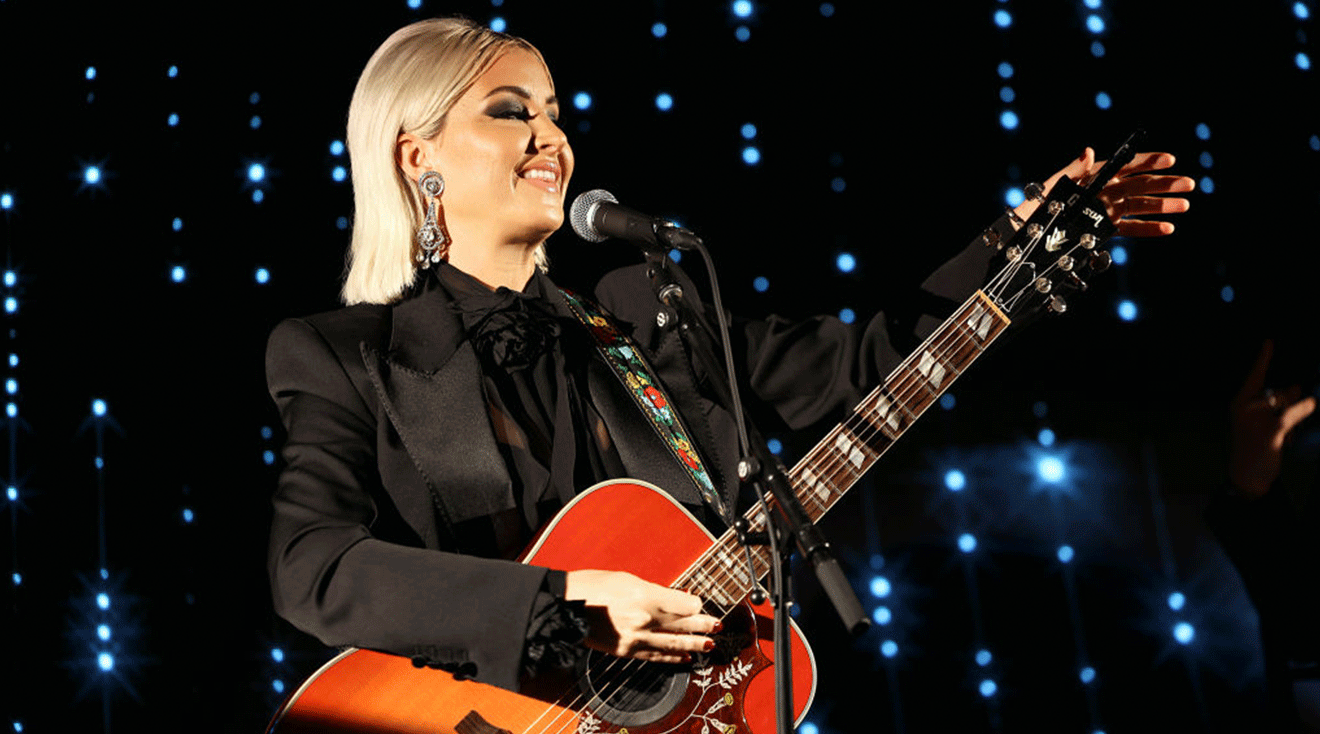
(835, 464)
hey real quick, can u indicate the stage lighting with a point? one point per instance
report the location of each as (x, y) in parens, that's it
(188, 515)
(889, 648)
(1008, 119)
(1177, 600)
(1202, 131)
(1184, 632)
(882, 616)
(1051, 469)
(955, 480)
(1095, 24)
(262, 276)
(11, 410)
(268, 457)
(105, 661)
(775, 446)
(1097, 49)
(1092, 4)
(1005, 70)
(498, 24)
(761, 284)
(983, 657)
(1003, 18)
(664, 102)
(582, 101)
(837, 184)
(172, 72)
(178, 274)
(90, 74)
(17, 578)
(277, 654)
(11, 386)
(751, 155)
(336, 147)
(748, 131)
(1045, 437)
(1127, 310)
(1226, 294)
(12, 493)
(742, 8)
(1206, 160)
(173, 119)
(341, 223)
(1103, 100)
(13, 359)
(277, 685)
(1118, 254)
(256, 173)
(1303, 61)
(11, 278)
(1014, 196)
(659, 29)
(177, 224)
(1206, 185)
(880, 587)
(1301, 11)
(98, 407)
(845, 262)
(1087, 674)
(966, 542)
(847, 315)
(742, 33)
(827, 10)
(103, 600)
(1065, 554)
(339, 173)
(1006, 94)
(948, 401)
(254, 122)
(92, 175)
(6, 201)
(988, 688)
(808, 728)
(103, 632)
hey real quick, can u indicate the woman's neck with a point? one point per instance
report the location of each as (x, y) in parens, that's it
(510, 266)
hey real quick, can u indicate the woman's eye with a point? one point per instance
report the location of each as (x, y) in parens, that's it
(516, 112)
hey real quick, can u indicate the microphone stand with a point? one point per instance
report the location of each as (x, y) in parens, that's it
(763, 471)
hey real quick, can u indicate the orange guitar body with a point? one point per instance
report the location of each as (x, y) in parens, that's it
(624, 526)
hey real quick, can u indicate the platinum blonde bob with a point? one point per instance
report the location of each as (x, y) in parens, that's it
(408, 86)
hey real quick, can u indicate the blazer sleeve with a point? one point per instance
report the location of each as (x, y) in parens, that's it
(342, 568)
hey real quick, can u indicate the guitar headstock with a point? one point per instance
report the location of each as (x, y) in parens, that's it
(1058, 249)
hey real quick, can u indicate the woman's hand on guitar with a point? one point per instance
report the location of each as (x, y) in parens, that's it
(631, 617)
(1134, 192)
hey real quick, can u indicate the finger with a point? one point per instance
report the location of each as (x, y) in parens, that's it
(1294, 414)
(670, 658)
(696, 624)
(1143, 162)
(675, 603)
(1255, 382)
(1148, 185)
(1140, 206)
(671, 643)
(1143, 228)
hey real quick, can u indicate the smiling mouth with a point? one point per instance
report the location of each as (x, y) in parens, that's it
(542, 176)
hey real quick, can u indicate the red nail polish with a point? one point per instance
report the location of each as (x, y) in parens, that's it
(719, 627)
(708, 645)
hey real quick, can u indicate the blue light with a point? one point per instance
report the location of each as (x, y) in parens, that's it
(988, 688)
(1045, 437)
(103, 632)
(341, 223)
(18, 726)
(761, 284)
(12, 493)
(1184, 632)
(880, 587)
(11, 278)
(827, 10)
(336, 147)
(948, 401)
(256, 172)
(1301, 11)
(659, 29)
(98, 407)
(742, 33)
(1092, 4)
(664, 102)
(6, 201)
(882, 616)
(1303, 61)
(1177, 600)
(17, 578)
(1202, 131)
(889, 648)
(254, 122)
(742, 8)
(1095, 24)
(178, 274)
(92, 174)
(172, 72)
(748, 131)
(498, 24)
(1087, 674)
(1226, 294)
(1207, 160)
(1005, 70)
(177, 224)
(1206, 185)
(751, 155)
(1003, 18)
(103, 600)
(955, 480)
(90, 74)
(845, 262)
(11, 386)
(808, 728)
(266, 433)
(13, 360)
(173, 119)
(1014, 196)
(106, 661)
(582, 101)
(837, 184)
(1008, 119)
(1006, 94)
(1103, 100)
(983, 658)
(1065, 554)
(277, 654)
(105, 574)
(1097, 49)
(187, 515)
(966, 542)
(847, 315)
(339, 173)
(775, 446)
(1050, 469)
(262, 276)
(11, 410)
(99, 462)
(1119, 254)
(277, 685)
(414, 4)
(1127, 310)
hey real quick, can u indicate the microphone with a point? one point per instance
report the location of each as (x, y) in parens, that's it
(596, 216)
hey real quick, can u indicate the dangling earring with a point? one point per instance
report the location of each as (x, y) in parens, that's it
(432, 240)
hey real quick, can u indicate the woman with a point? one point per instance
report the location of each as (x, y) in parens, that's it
(440, 418)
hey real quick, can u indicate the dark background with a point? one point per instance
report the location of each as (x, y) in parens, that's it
(901, 104)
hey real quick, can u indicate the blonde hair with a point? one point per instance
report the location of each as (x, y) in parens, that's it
(408, 86)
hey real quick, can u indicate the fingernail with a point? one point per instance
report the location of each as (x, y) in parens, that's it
(686, 658)
(719, 627)
(708, 645)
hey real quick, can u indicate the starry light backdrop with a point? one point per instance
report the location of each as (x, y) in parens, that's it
(173, 182)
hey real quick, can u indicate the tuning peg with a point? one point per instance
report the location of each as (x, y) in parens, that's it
(1034, 191)
(1055, 207)
(1065, 263)
(1077, 282)
(1013, 253)
(1087, 241)
(1034, 230)
(1100, 261)
(990, 238)
(1057, 304)
(1043, 285)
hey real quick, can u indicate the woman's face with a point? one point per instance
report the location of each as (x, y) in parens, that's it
(504, 159)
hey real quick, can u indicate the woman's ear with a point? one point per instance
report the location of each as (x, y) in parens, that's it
(411, 156)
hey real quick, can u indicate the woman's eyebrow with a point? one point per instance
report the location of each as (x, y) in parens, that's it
(521, 93)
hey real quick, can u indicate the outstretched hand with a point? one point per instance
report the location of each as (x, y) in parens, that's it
(1134, 192)
(632, 617)
(1262, 421)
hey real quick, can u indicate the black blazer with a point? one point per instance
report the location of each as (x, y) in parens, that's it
(390, 445)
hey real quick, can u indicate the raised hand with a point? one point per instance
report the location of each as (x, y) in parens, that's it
(1134, 192)
(1262, 421)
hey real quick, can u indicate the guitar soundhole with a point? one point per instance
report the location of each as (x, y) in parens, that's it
(631, 693)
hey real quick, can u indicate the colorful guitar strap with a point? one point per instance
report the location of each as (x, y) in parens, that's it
(636, 375)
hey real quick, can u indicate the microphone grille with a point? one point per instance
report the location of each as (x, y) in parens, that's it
(583, 210)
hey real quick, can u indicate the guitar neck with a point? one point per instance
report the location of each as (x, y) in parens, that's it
(835, 464)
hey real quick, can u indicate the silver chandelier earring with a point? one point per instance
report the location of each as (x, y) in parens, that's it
(432, 239)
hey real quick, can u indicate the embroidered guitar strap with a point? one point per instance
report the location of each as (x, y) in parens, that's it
(636, 375)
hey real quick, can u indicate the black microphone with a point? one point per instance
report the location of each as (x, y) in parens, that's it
(596, 216)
